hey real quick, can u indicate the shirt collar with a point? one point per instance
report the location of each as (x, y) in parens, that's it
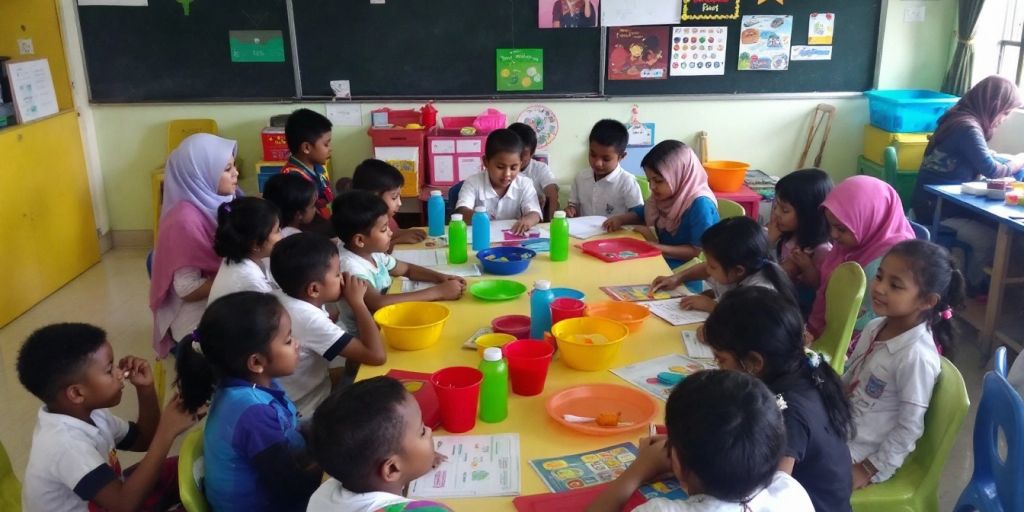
(610, 176)
(274, 390)
(301, 165)
(905, 340)
(53, 419)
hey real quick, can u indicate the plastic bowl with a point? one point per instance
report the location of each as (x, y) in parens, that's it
(497, 289)
(627, 313)
(567, 293)
(412, 325)
(516, 325)
(497, 339)
(726, 175)
(505, 261)
(573, 334)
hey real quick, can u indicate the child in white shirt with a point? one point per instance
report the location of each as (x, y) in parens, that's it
(606, 189)
(539, 172)
(247, 229)
(295, 198)
(726, 437)
(892, 371)
(501, 190)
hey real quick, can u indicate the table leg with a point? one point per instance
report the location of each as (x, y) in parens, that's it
(936, 218)
(995, 289)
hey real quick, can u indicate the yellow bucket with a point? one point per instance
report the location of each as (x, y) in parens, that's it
(589, 343)
(412, 325)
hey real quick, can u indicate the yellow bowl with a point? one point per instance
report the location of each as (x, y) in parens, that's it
(412, 325)
(629, 314)
(576, 343)
(497, 339)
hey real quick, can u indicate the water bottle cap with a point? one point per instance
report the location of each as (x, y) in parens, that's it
(456, 217)
(435, 193)
(559, 214)
(480, 209)
(492, 354)
(542, 285)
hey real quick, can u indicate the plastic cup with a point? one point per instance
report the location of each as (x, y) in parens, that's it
(516, 325)
(565, 307)
(458, 396)
(528, 362)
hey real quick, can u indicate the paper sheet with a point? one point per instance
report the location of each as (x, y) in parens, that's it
(414, 286)
(644, 374)
(694, 348)
(639, 293)
(586, 227)
(422, 257)
(669, 311)
(624, 13)
(586, 469)
(477, 466)
(344, 114)
(698, 51)
(444, 168)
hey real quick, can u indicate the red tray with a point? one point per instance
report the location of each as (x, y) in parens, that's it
(619, 249)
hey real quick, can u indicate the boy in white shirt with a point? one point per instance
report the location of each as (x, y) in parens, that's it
(371, 436)
(606, 189)
(307, 268)
(501, 190)
(73, 463)
(726, 436)
(247, 229)
(539, 172)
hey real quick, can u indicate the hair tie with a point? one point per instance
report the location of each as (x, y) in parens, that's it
(198, 349)
(813, 358)
(946, 314)
(781, 402)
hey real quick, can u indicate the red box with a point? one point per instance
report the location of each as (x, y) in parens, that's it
(399, 118)
(397, 145)
(275, 144)
(452, 157)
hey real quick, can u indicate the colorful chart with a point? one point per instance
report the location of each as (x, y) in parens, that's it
(698, 51)
(585, 469)
(644, 374)
(764, 43)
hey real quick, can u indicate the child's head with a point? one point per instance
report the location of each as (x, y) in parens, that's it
(247, 227)
(503, 157)
(756, 330)
(243, 335)
(865, 214)
(70, 364)
(309, 136)
(671, 167)
(201, 170)
(294, 196)
(797, 206)
(918, 278)
(737, 248)
(608, 140)
(360, 220)
(306, 266)
(725, 433)
(529, 138)
(371, 437)
(381, 178)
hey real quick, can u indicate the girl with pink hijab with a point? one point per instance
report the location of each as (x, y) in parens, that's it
(865, 216)
(681, 206)
(200, 175)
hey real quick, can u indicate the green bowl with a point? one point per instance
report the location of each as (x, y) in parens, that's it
(497, 289)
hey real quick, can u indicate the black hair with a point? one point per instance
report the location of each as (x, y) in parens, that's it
(526, 134)
(376, 176)
(291, 193)
(301, 259)
(243, 224)
(305, 125)
(726, 428)
(758, 319)
(502, 141)
(609, 132)
(355, 212)
(356, 430)
(53, 357)
(233, 328)
(935, 272)
(741, 242)
(805, 190)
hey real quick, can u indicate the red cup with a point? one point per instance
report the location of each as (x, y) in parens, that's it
(528, 362)
(516, 325)
(458, 396)
(565, 307)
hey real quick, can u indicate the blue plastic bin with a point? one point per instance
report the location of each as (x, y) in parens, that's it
(908, 110)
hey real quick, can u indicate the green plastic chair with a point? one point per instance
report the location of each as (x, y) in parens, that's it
(728, 209)
(915, 486)
(842, 303)
(10, 488)
(190, 472)
(645, 187)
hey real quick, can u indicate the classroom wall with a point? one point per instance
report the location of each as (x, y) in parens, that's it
(768, 133)
(36, 20)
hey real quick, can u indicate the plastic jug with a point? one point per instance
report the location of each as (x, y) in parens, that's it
(457, 240)
(435, 214)
(494, 388)
(559, 237)
(481, 229)
(540, 309)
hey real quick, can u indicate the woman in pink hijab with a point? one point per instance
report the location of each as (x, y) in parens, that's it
(866, 219)
(200, 175)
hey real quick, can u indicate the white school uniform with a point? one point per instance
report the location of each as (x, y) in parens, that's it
(890, 385)
(541, 175)
(244, 276)
(614, 194)
(377, 274)
(332, 497)
(755, 279)
(783, 493)
(519, 200)
(186, 281)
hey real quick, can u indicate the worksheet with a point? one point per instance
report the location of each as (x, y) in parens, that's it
(670, 311)
(644, 374)
(477, 466)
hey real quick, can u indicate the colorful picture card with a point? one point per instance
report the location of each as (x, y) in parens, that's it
(638, 53)
(698, 51)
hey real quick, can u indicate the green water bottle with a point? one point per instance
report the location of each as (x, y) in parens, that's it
(559, 237)
(494, 388)
(457, 240)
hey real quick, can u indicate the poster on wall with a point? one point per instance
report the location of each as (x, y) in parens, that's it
(626, 13)
(637, 53)
(256, 45)
(520, 69)
(568, 13)
(764, 43)
(698, 51)
(811, 52)
(820, 28)
(710, 10)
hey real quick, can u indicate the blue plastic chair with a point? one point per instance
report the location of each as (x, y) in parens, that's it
(149, 263)
(920, 232)
(999, 362)
(995, 485)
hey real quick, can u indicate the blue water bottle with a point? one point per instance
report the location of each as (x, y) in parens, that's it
(540, 309)
(481, 229)
(435, 214)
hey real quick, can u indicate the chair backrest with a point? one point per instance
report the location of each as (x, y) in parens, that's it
(10, 488)
(1001, 408)
(843, 297)
(645, 187)
(942, 422)
(728, 209)
(920, 232)
(453, 194)
(999, 362)
(179, 129)
(190, 472)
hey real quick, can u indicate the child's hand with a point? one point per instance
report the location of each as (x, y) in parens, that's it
(409, 236)
(653, 459)
(439, 459)
(353, 288)
(802, 260)
(450, 289)
(570, 211)
(773, 230)
(137, 371)
(447, 277)
(663, 283)
(175, 419)
(521, 226)
(698, 303)
(861, 477)
(612, 224)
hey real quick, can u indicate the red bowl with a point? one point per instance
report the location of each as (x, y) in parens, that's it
(516, 325)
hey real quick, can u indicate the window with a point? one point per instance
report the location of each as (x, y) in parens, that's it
(1010, 45)
(999, 40)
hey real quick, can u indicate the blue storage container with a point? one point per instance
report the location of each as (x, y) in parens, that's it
(908, 110)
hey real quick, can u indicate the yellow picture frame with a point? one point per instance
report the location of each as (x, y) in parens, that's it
(685, 16)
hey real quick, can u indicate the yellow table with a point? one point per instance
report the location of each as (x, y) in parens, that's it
(539, 435)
